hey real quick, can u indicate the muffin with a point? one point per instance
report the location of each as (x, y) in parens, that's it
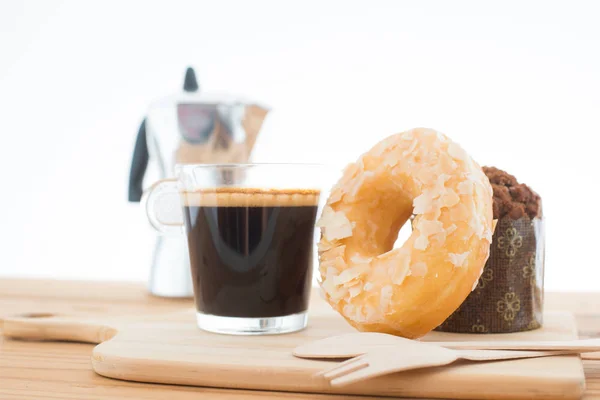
(509, 294)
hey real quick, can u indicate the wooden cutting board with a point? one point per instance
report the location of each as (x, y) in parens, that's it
(170, 349)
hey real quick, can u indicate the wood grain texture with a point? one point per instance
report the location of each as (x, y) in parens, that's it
(62, 370)
(168, 348)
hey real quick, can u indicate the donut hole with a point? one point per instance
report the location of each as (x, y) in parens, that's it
(378, 223)
(403, 234)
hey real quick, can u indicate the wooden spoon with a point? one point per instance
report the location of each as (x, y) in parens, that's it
(354, 344)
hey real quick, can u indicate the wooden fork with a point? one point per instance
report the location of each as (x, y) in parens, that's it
(416, 355)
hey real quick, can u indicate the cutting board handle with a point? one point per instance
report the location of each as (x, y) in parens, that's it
(52, 327)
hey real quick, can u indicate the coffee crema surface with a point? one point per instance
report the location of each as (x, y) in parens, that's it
(251, 250)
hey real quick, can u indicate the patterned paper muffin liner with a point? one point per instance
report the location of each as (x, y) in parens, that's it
(509, 295)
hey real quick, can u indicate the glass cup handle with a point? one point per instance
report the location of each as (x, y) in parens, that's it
(161, 197)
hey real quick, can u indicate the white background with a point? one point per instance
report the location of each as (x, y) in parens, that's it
(516, 83)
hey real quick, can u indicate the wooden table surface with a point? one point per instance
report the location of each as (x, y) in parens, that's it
(31, 370)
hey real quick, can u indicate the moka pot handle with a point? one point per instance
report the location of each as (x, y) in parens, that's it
(139, 163)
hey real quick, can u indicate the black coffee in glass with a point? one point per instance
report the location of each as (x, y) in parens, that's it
(251, 250)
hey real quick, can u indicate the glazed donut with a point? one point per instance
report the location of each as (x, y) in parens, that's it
(410, 290)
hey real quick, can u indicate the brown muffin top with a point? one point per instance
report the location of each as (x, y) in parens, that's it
(511, 198)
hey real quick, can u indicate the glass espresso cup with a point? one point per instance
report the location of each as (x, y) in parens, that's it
(250, 234)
